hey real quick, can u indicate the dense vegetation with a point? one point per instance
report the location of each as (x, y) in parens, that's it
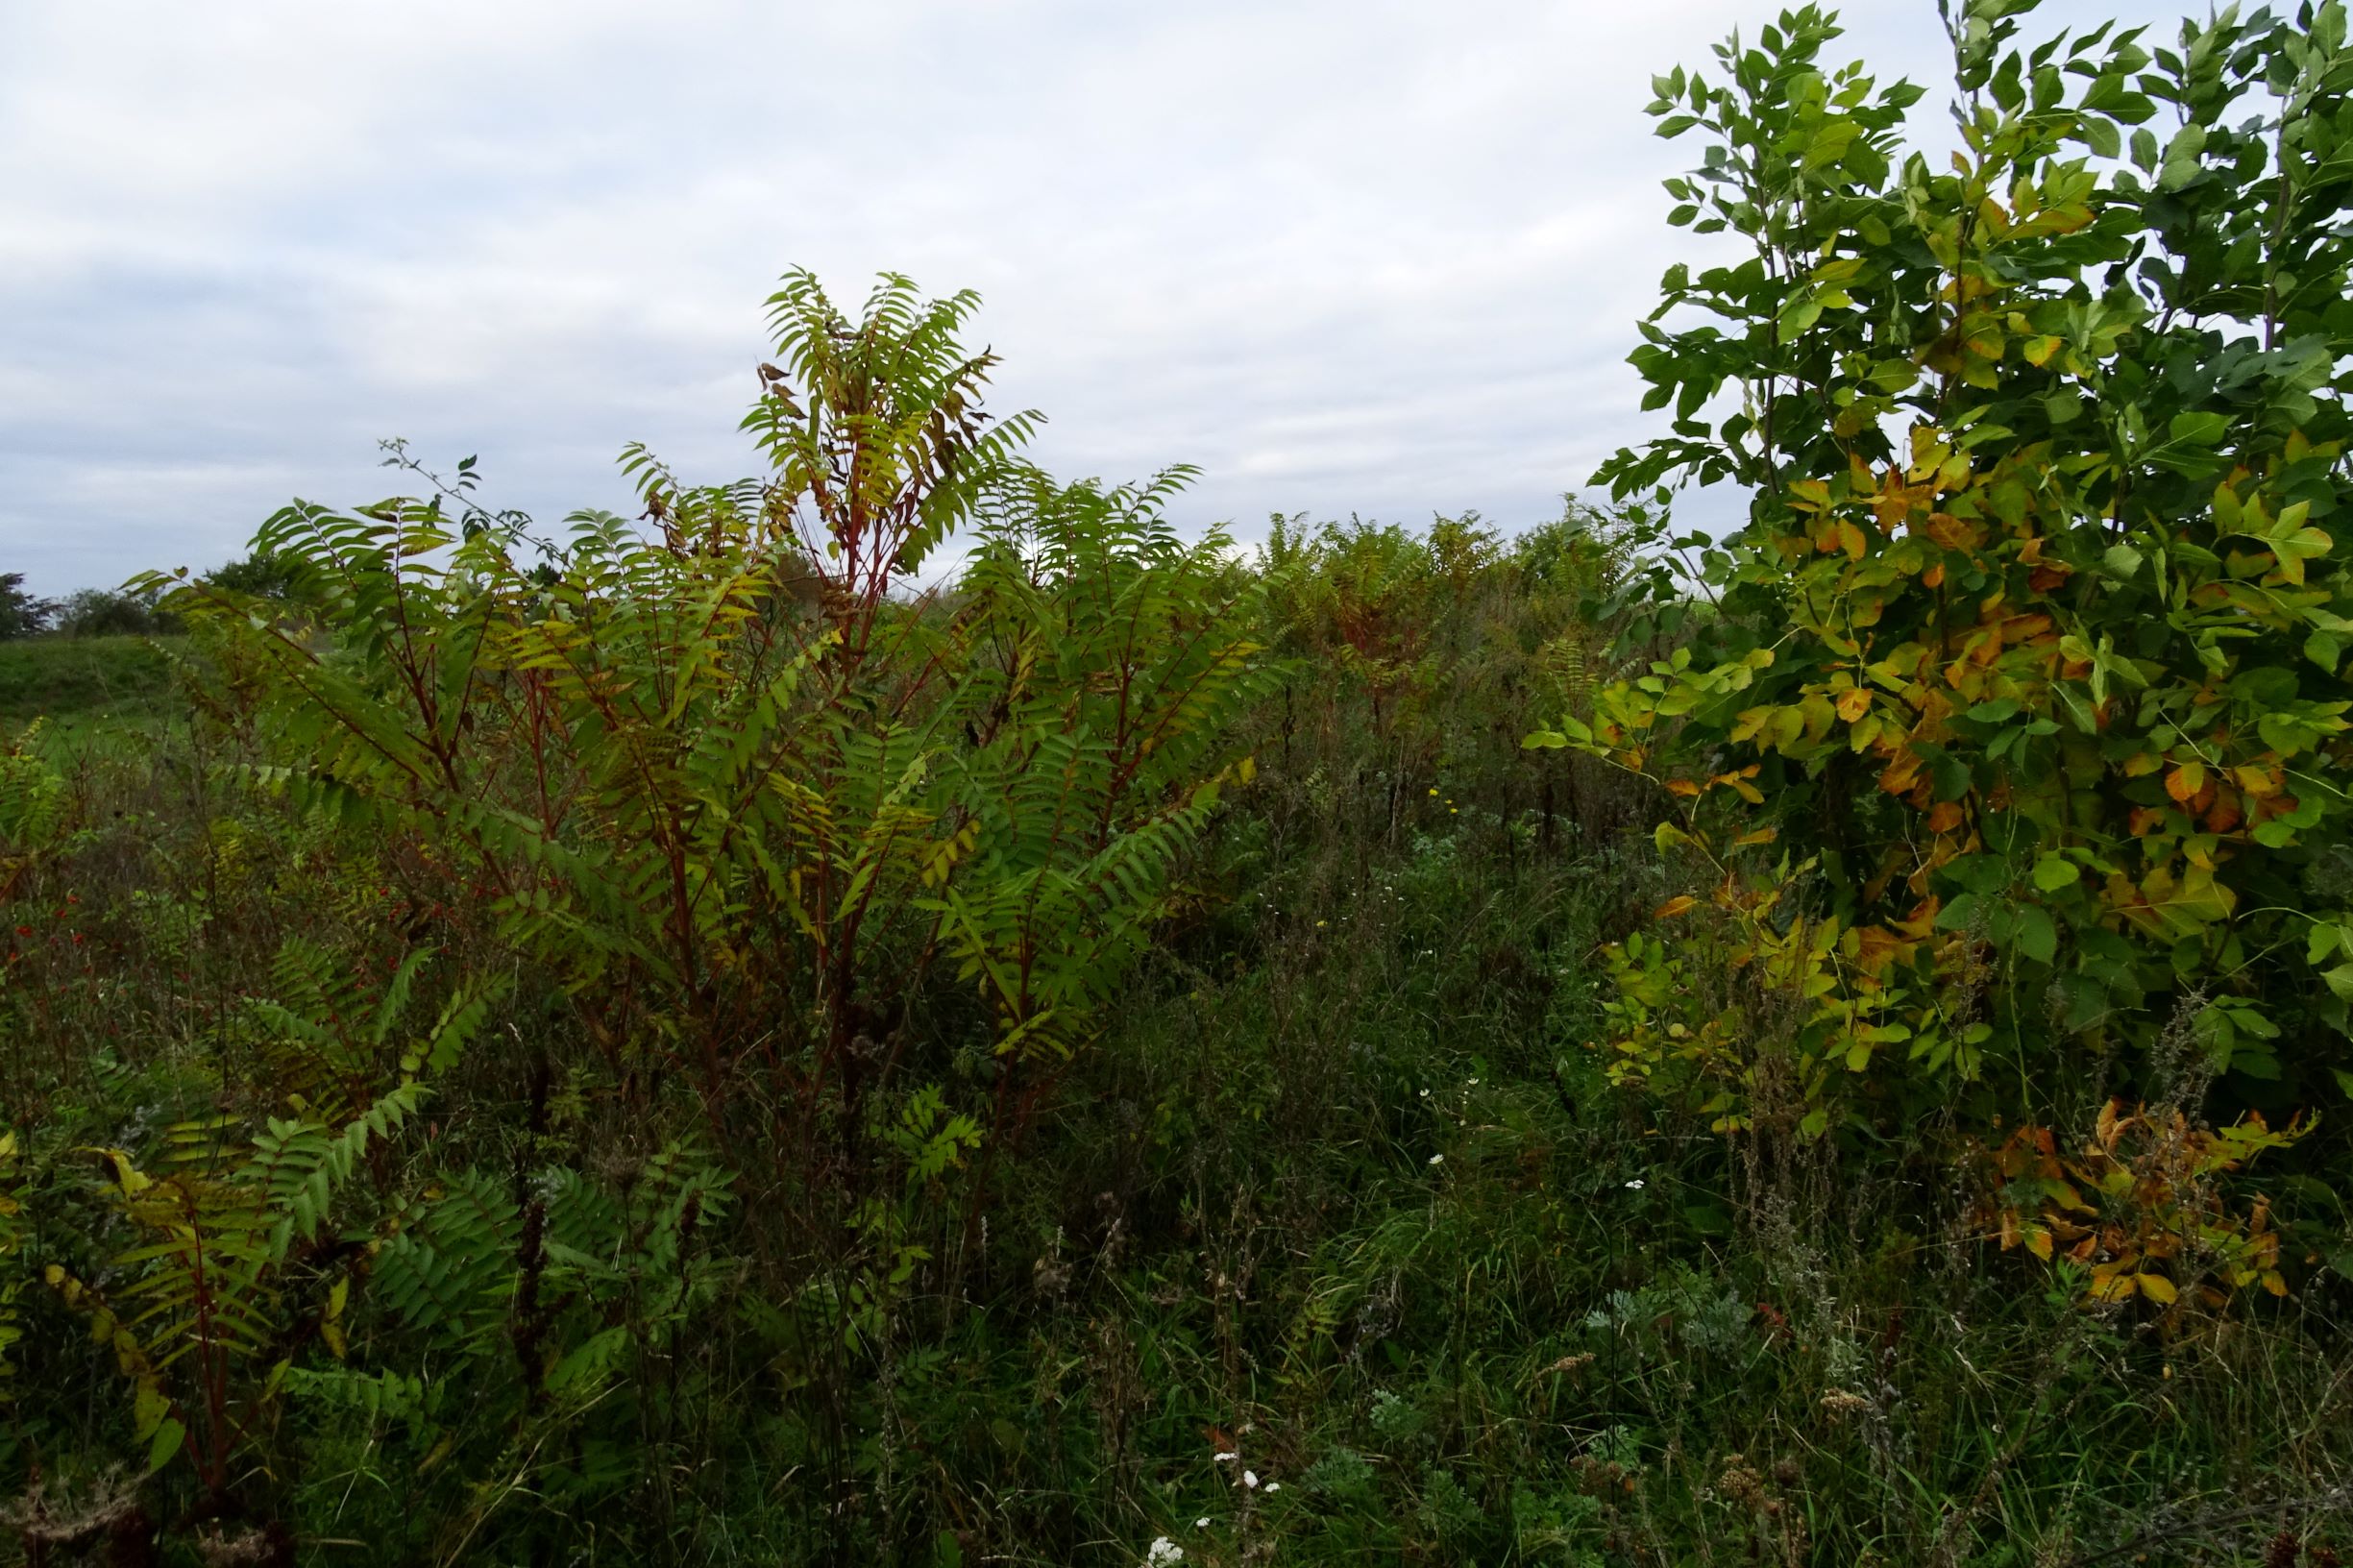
(716, 1038)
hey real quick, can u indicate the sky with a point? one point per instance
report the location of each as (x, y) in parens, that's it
(1348, 256)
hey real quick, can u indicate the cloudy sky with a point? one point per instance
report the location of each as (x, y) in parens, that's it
(1347, 255)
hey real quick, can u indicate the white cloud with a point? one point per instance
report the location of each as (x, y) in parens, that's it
(1377, 257)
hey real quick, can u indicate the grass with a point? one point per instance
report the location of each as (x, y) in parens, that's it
(80, 684)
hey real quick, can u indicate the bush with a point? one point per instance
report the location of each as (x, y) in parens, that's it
(2010, 758)
(110, 612)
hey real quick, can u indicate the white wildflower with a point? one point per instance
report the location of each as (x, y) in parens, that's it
(1635, 1186)
(1202, 1522)
(1250, 1479)
(1227, 1457)
(1163, 1552)
(1437, 1159)
(1272, 1487)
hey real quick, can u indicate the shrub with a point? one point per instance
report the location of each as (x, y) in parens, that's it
(857, 868)
(2029, 671)
(110, 612)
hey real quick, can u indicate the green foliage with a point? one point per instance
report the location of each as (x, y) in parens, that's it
(63, 679)
(675, 769)
(21, 615)
(1409, 618)
(12, 1244)
(35, 805)
(331, 1045)
(232, 1267)
(894, 1094)
(2026, 675)
(113, 612)
(261, 573)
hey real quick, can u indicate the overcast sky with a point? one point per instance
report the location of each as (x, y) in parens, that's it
(1347, 255)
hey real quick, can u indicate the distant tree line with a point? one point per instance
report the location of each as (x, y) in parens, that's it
(120, 612)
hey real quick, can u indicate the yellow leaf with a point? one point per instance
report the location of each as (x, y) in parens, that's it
(2158, 1289)
(2115, 1287)
(1682, 904)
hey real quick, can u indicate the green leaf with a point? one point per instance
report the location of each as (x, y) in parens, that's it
(149, 1406)
(2035, 935)
(1796, 316)
(2197, 428)
(167, 1440)
(1958, 915)
(1979, 873)
(2051, 872)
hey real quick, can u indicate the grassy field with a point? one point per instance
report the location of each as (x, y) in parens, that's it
(81, 685)
(1335, 1243)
